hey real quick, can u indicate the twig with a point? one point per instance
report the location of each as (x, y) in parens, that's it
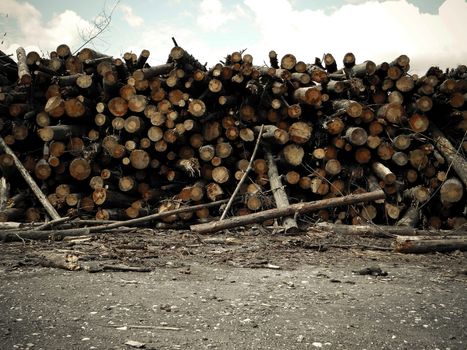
(245, 174)
(52, 223)
(160, 328)
(107, 19)
(174, 41)
(120, 268)
(362, 246)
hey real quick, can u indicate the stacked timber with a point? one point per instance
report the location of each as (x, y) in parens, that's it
(115, 138)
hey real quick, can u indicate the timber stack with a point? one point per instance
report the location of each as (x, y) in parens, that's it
(115, 138)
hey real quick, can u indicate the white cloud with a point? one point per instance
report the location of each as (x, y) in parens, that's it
(130, 17)
(33, 33)
(361, 1)
(212, 15)
(379, 31)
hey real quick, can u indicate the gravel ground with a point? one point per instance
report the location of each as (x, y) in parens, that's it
(238, 292)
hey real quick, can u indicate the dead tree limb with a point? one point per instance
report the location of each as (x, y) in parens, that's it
(9, 235)
(299, 208)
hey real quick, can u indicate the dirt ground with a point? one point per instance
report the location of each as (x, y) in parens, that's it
(238, 290)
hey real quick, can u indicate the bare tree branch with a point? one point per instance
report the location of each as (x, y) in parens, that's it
(100, 25)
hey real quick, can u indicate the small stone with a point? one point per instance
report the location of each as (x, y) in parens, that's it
(317, 344)
(135, 344)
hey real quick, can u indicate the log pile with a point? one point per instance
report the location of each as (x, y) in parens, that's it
(114, 138)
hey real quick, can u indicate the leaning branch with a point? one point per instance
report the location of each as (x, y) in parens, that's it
(30, 181)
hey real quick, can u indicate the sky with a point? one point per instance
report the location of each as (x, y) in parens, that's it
(430, 32)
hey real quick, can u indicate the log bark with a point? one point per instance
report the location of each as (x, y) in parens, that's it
(429, 244)
(280, 196)
(300, 208)
(384, 173)
(24, 76)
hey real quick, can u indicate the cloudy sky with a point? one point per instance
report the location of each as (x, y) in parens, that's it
(431, 32)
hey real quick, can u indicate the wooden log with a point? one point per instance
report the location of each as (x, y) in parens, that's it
(384, 173)
(108, 198)
(445, 147)
(300, 208)
(61, 132)
(24, 76)
(349, 60)
(356, 136)
(392, 112)
(139, 159)
(352, 108)
(330, 63)
(80, 168)
(418, 159)
(419, 194)
(293, 154)
(118, 106)
(410, 218)
(392, 211)
(451, 191)
(429, 244)
(300, 132)
(419, 122)
(384, 231)
(400, 158)
(308, 95)
(280, 196)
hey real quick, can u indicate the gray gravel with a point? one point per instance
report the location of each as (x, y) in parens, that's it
(325, 306)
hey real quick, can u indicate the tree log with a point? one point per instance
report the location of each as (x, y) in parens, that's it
(383, 231)
(449, 152)
(24, 77)
(280, 196)
(429, 244)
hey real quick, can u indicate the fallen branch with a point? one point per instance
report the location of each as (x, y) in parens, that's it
(116, 268)
(299, 208)
(30, 181)
(52, 223)
(9, 235)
